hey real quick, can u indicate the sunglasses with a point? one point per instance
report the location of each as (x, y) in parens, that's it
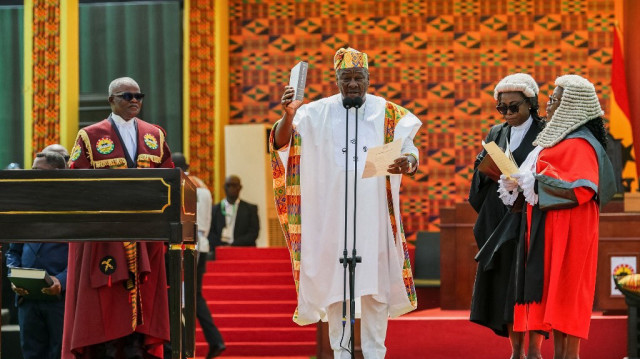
(128, 96)
(513, 108)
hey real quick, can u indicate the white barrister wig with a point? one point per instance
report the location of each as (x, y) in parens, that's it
(519, 82)
(578, 105)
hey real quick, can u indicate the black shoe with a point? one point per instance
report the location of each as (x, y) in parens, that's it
(216, 351)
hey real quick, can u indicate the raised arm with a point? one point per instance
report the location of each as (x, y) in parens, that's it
(285, 125)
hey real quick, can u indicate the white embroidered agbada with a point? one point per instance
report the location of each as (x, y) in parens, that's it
(321, 129)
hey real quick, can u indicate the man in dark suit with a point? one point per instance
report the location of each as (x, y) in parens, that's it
(235, 222)
(41, 321)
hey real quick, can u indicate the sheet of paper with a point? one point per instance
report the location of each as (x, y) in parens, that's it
(380, 158)
(506, 165)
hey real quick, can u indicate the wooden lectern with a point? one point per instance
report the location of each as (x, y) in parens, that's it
(111, 205)
(619, 236)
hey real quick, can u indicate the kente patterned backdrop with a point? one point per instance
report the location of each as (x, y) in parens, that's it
(46, 73)
(201, 89)
(440, 59)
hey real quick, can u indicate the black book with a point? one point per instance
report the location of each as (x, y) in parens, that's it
(33, 280)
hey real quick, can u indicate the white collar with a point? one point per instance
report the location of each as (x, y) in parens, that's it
(232, 204)
(119, 121)
(524, 127)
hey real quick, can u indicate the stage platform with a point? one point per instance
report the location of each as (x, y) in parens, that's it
(448, 334)
(251, 296)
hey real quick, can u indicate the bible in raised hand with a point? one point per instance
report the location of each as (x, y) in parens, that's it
(298, 79)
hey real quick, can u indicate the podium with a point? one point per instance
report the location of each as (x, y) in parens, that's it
(111, 205)
(619, 236)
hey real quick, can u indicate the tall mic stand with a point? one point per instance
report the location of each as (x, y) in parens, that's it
(354, 259)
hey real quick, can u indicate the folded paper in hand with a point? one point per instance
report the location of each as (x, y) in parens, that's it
(504, 163)
(380, 158)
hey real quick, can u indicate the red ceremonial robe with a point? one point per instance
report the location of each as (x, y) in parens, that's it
(571, 246)
(98, 307)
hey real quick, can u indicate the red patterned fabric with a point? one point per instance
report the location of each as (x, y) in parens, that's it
(201, 91)
(46, 73)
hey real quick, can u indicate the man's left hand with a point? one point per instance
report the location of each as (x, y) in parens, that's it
(55, 288)
(403, 164)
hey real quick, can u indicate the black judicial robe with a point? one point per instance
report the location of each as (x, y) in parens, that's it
(496, 232)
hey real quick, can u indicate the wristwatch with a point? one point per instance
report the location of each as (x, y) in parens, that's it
(412, 166)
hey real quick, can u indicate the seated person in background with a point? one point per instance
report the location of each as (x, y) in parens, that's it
(57, 148)
(41, 321)
(234, 222)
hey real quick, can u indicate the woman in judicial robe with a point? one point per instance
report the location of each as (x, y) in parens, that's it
(565, 180)
(496, 229)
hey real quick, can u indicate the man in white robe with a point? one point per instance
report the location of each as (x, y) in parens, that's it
(308, 157)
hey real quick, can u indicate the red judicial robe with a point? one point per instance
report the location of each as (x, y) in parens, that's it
(98, 306)
(571, 246)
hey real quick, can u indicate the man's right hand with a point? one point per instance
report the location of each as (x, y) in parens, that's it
(285, 127)
(288, 104)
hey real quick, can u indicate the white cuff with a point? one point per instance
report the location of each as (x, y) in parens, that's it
(527, 181)
(507, 197)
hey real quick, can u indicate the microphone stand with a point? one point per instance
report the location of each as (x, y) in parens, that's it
(354, 259)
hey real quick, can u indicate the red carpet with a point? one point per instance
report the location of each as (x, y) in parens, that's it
(437, 334)
(252, 298)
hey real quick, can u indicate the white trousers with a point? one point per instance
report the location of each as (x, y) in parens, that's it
(373, 329)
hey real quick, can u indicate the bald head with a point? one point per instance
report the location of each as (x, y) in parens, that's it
(49, 161)
(58, 148)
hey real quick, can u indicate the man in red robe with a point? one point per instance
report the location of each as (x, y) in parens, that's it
(565, 181)
(117, 304)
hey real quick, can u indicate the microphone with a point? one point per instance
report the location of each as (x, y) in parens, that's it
(347, 102)
(357, 102)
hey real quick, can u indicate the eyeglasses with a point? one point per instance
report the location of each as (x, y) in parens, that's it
(553, 100)
(128, 96)
(513, 108)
